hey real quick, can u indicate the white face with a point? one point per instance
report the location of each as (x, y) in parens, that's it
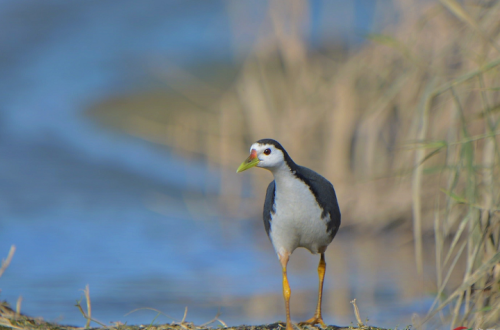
(269, 156)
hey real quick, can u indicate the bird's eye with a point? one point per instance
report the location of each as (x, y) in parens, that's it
(267, 151)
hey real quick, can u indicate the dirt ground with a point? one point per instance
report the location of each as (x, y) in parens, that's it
(9, 319)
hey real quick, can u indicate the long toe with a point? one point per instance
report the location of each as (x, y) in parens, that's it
(313, 321)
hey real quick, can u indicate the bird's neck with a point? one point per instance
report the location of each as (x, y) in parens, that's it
(283, 174)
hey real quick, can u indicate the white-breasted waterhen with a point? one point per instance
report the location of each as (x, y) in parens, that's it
(300, 210)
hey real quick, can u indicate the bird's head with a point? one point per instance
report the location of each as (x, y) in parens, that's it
(266, 153)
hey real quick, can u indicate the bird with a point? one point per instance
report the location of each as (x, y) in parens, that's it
(300, 210)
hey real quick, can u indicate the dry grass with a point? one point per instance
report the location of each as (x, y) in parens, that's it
(406, 128)
(6, 262)
(9, 319)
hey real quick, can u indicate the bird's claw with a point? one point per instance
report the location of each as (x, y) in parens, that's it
(313, 321)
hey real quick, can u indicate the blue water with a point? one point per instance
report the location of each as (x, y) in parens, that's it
(86, 205)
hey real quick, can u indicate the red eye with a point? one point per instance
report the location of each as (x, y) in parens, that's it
(267, 151)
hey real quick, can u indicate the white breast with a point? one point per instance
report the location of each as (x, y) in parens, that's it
(297, 221)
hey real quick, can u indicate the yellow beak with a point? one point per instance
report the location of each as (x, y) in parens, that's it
(251, 161)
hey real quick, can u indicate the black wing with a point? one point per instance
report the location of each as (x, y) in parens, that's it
(269, 207)
(325, 195)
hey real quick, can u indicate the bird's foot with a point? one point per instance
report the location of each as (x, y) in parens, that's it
(317, 319)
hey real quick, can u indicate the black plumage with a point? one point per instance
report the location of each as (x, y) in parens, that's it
(269, 207)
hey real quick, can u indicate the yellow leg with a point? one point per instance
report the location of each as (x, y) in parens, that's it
(317, 318)
(286, 289)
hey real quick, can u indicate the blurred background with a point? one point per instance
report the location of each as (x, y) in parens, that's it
(122, 124)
